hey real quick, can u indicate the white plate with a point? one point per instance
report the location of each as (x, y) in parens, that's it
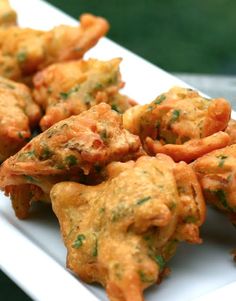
(31, 251)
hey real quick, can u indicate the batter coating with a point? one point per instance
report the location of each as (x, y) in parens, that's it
(69, 150)
(121, 233)
(216, 172)
(181, 124)
(24, 51)
(18, 115)
(68, 88)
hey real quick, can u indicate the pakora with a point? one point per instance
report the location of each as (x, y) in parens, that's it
(8, 16)
(24, 51)
(122, 232)
(216, 173)
(18, 115)
(181, 124)
(68, 88)
(70, 149)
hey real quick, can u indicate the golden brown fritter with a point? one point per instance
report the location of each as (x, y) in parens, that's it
(121, 232)
(77, 146)
(231, 131)
(18, 114)
(181, 124)
(24, 51)
(216, 173)
(8, 16)
(68, 88)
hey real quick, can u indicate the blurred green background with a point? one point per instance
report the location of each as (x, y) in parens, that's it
(178, 35)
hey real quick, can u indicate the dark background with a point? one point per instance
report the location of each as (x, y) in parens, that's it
(195, 36)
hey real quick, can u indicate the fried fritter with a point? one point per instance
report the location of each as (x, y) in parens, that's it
(181, 124)
(216, 173)
(121, 233)
(8, 16)
(24, 51)
(18, 114)
(68, 88)
(72, 148)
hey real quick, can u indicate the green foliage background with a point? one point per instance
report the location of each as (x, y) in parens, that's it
(178, 35)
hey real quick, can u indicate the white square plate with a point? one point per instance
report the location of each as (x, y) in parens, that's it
(32, 252)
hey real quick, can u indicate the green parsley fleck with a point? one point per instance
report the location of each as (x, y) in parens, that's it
(21, 57)
(46, 153)
(79, 241)
(222, 159)
(65, 95)
(20, 135)
(71, 160)
(159, 99)
(30, 179)
(143, 200)
(114, 107)
(221, 195)
(102, 210)
(175, 115)
(103, 135)
(145, 278)
(160, 261)
(190, 219)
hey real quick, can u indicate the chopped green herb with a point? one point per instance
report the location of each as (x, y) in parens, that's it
(21, 57)
(20, 135)
(59, 165)
(159, 99)
(114, 107)
(221, 195)
(190, 219)
(103, 135)
(71, 160)
(160, 261)
(150, 108)
(175, 115)
(172, 206)
(28, 154)
(65, 95)
(222, 160)
(101, 210)
(98, 86)
(30, 179)
(46, 153)
(143, 200)
(229, 178)
(79, 241)
(145, 278)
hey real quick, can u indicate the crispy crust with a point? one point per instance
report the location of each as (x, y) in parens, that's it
(72, 148)
(180, 123)
(144, 208)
